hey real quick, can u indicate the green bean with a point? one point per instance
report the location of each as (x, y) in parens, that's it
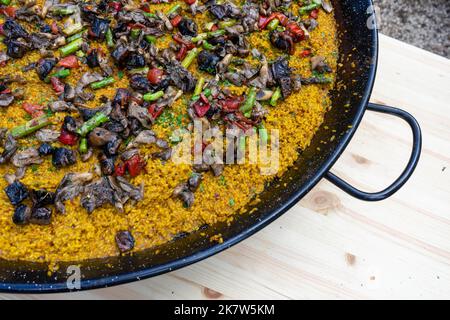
(5, 2)
(71, 47)
(143, 70)
(92, 123)
(153, 96)
(63, 11)
(216, 33)
(207, 92)
(134, 34)
(109, 38)
(83, 147)
(199, 86)
(226, 24)
(30, 127)
(102, 83)
(63, 73)
(275, 96)
(273, 24)
(150, 15)
(173, 9)
(189, 58)
(72, 28)
(305, 9)
(150, 39)
(199, 37)
(76, 36)
(208, 46)
(249, 102)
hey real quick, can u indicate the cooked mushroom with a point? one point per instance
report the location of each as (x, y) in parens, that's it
(124, 241)
(26, 157)
(42, 197)
(70, 186)
(45, 149)
(47, 135)
(207, 61)
(187, 27)
(319, 64)
(44, 67)
(99, 137)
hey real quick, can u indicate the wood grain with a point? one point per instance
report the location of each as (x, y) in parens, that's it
(331, 245)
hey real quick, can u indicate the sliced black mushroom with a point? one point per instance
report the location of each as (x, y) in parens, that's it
(16, 48)
(63, 157)
(22, 214)
(12, 29)
(42, 197)
(45, 149)
(98, 28)
(44, 67)
(187, 27)
(207, 61)
(106, 164)
(16, 192)
(41, 215)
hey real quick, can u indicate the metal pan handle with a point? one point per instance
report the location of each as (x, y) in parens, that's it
(406, 174)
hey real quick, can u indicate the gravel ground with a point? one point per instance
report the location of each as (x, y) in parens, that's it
(423, 23)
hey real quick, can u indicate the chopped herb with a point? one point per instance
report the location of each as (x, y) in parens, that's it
(231, 202)
(120, 74)
(222, 181)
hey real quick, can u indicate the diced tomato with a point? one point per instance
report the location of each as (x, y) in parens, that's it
(175, 21)
(54, 27)
(119, 169)
(8, 11)
(202, 105)
(67, 138)
(155, 110)
(135, 165)
(189, 2)
(34, 110)
(116, 6)
(69, 62)
(57, 85)
(314, 14)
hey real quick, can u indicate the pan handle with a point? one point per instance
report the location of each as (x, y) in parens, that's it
(406, 174)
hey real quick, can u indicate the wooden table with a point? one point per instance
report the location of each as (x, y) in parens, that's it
(331, 245)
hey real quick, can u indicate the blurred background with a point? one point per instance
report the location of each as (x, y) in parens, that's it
(423, 23)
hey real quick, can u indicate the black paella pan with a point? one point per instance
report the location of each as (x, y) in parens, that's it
(358, 37)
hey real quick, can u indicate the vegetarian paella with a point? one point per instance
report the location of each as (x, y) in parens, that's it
(92, 94)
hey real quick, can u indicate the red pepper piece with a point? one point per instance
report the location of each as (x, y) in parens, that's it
(182, 53)
(57, 85)
(8, 11)
(175, 21)
(116, 6)
(201, 106)
(214, 27)
(69, 62)
(54, 28)
(305, 53)
(264, 21)
(231, 104)
(34, 110)
(155, 110)
(295, 31)
(155, 75)
(6, 91)
(179, 39)
(67, 138)
(314, 14)
(119, 169)
(135, 165)
(189, 2)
